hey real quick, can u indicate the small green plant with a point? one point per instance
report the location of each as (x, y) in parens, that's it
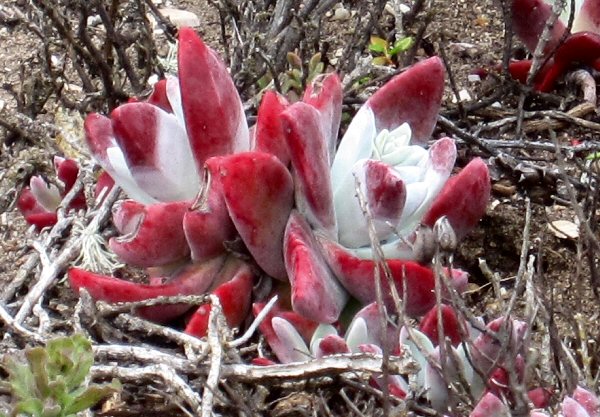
(387, 54)
(52, 381)
(293, 81)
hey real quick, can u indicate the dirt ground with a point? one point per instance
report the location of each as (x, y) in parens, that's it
(470, 35)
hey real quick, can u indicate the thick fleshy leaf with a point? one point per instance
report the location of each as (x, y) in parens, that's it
(286, 333)
(382, 190)
(358, 277)
(268, 131)
(331, 345)
(420, 194)
(588, 18)
(258, 191)
(103, 146)
(588, 400)
(282, 349)
(579, 48)
(463, 199)
(47, 195)
(316, 294)
(214, 116)
(67, 171)
(195, 279)
(207, 225)
(490, 406)
(150, 235)
(488, 350)
(159, 96)
(420, 347)
(356, 144)
(540, 397)
(529, 19)
(571, 408)
(325, 94)
(370, 321)
(413, 97)
(451, 325)
(157, 151)
(33, 211)
(310, 161)
(235, 295)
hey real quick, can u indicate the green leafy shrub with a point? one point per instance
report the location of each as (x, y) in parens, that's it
(52, 381)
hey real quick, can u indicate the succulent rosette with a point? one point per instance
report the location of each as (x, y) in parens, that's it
(38, 202)
(580, 47)
(199, 182)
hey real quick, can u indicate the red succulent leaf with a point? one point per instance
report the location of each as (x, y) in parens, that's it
(99, 136)
(213, 112)
(529, 20)
(268, 131)
(67, 171)
(571, 408)
(540, 397)
(325, 94)
(453, 327)
(588, 400)
(104, 182)
(332, 345)
(235, 296)
(489, 350)
(463, 199)
(195, 279)
(358, 277)
(34, 212)
(304, 327)
(588, 18)
(259, 208)
(316, 294)
(413, 97)
(490, 406)
(207, 225)
(151, 235)
(310, 161)
(159, 96)
(582, 48)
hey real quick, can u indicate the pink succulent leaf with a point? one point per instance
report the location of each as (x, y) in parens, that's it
(322, 331)
(67, 171)
(282, 350)
(540, 397)
(150, 235)
(104, 184)
(538, 414)
(259, 209)
(207, 226)
(488, 351)
(463, 199)
(288, 336)
(588, 18)
(325, 94)
(159, 96)
(268, 131)
(47, 195)
(358, 277)
(331, 345)
(310, 161)
(195, 279)
(357, 144)
(413, 97)
(33, 212)
(453, 327)
(382, 190)
(587, 399)
(397, 386)
(157, 151)
(366, 328)
(571, 408)
(459, 280)
(490, 406)
(529, 20)
(582, 48)
(103, 146)
(235, 295)
(213, 111)
(316, 294)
